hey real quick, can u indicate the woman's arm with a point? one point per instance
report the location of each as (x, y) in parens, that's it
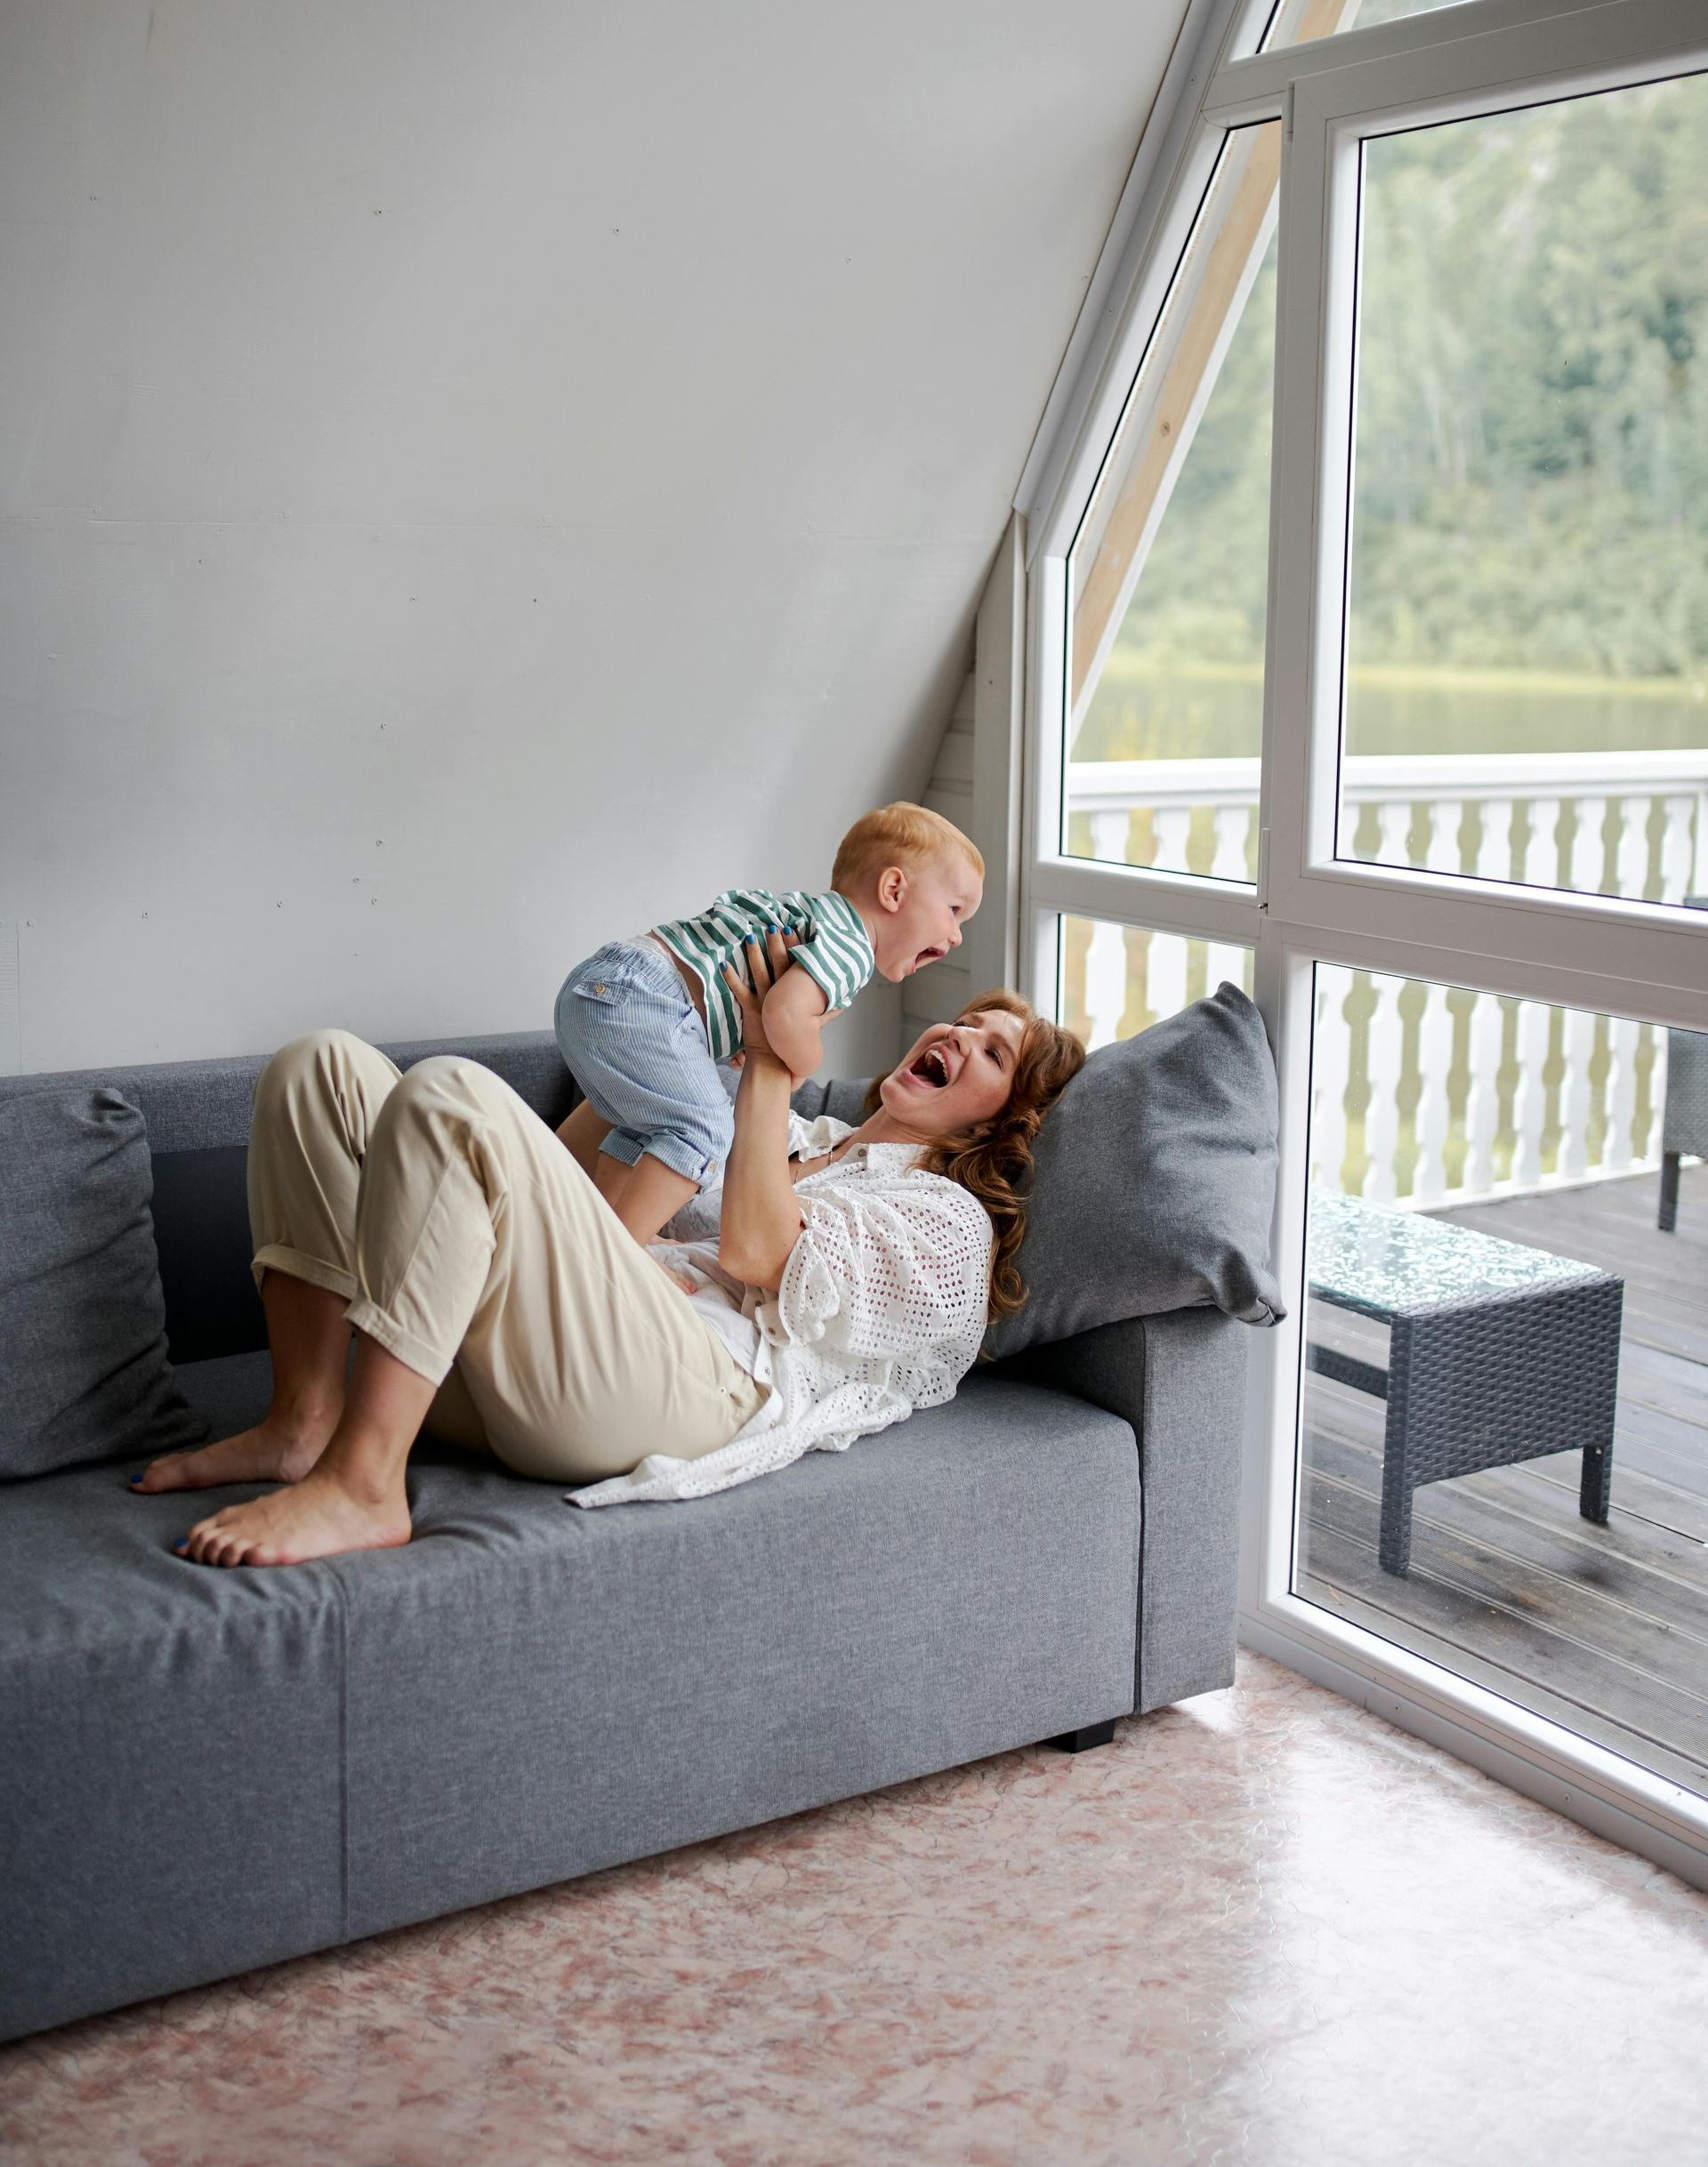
(761, 1218)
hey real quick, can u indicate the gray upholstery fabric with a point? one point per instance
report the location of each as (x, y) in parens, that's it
(1180, 1379)
(171, 1792)
(197, 1114)
(205, 1106)
(525, 1692)
(533, 1692)
(84, 1371)
(1153, 1180)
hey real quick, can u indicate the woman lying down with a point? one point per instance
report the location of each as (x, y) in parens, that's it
(498, 1303)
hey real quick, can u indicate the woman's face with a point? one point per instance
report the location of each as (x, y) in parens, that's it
(957, 1075)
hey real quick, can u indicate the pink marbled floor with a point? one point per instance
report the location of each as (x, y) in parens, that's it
(1262, 1928)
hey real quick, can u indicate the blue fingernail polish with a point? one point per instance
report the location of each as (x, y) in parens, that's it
(180, 1546)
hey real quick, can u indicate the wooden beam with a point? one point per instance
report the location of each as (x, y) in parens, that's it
(1237, 229)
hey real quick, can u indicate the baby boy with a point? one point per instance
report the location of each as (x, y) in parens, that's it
(644, 1023)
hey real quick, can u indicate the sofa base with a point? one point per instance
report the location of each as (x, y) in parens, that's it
(1082, 1740)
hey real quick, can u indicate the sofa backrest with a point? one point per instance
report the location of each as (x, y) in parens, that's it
(197, 1117)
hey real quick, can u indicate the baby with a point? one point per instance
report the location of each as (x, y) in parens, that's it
(643, 1024)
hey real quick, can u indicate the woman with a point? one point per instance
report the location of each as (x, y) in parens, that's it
(498, 1300)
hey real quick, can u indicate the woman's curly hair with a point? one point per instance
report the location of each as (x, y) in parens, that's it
(995, 1160)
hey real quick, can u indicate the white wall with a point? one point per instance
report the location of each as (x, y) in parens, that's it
(474, 480)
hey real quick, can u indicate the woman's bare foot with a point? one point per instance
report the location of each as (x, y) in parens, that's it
(279, 1449)
(320, 1518)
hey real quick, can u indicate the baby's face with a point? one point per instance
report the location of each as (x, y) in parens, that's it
(935, 902)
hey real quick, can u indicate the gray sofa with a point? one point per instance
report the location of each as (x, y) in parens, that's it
(208, 1771)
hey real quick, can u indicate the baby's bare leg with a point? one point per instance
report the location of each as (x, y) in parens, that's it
(611, 1176)
(652, 1193)
(584, 1132)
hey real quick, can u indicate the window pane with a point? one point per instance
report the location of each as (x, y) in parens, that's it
(1170, 571)
(1300, 22)
(1117, 980)
(1495, 1320)
(1526, 694)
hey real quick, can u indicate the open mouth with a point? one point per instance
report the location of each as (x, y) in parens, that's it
(927, 956)
(932, 1068)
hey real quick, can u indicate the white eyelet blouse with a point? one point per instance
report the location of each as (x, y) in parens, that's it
(882, 1309)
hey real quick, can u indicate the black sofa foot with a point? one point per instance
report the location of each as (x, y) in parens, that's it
(1083, 1741)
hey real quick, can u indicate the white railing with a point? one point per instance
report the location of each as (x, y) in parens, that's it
(1425, 1096)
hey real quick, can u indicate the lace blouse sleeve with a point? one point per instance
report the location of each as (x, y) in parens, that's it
(887, 1276)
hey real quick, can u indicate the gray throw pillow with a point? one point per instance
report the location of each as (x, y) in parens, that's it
(1154, 1182)
(83, 1373)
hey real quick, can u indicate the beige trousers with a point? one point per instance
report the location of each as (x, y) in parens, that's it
(469, 1244)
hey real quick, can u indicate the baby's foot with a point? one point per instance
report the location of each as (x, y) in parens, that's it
(318, 1519)
(276, 1450)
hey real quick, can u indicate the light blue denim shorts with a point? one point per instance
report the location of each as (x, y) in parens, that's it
(635, 1042)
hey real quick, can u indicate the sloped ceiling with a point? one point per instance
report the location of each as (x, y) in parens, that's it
(477, 480)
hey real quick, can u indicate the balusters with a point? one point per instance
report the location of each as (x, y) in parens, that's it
(1106, 982)
(1429, 1123)
(1441, 852)
(1495, 845)
(1111, 834)
(1699, 877)
(1577, 1050)
(1541, 845)
(1630, 852)
(1106, 958)
(1393, 828)
(1530, 1100)
(1589, 847)
(1225, 959)
(1165, 974)
(1623, 1039)
(1483, 1097)
(1330, 1067)
(1386, 1045)
(1173, 824)
(1577, 1032)
(1233, 836)
(1676, 849)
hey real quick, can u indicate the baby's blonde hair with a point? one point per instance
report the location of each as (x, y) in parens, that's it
(899, 834)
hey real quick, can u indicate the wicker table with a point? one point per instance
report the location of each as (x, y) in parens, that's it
(1495, 1353)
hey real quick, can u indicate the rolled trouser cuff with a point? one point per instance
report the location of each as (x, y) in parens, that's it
(412, 1351)
(315, 1271)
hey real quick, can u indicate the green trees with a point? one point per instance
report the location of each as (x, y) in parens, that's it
(1531, 480)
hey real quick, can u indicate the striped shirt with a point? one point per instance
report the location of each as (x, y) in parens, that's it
(835, 950)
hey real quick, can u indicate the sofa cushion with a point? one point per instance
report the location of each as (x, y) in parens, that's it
(1154, 1182)
(84, 1371)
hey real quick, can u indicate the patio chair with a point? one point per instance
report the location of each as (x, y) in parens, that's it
(1684, 1124)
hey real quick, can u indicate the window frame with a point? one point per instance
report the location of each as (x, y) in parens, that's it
(1646, 961)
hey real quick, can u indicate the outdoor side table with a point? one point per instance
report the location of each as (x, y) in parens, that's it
(1496, 1352)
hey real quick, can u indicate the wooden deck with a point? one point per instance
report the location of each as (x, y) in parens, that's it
(1604, 1629)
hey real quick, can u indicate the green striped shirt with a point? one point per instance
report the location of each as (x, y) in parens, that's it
(835, 949)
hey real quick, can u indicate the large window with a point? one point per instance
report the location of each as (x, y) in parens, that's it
(1369, 669)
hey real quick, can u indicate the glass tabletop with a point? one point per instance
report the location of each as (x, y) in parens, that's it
(1372, 1257)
